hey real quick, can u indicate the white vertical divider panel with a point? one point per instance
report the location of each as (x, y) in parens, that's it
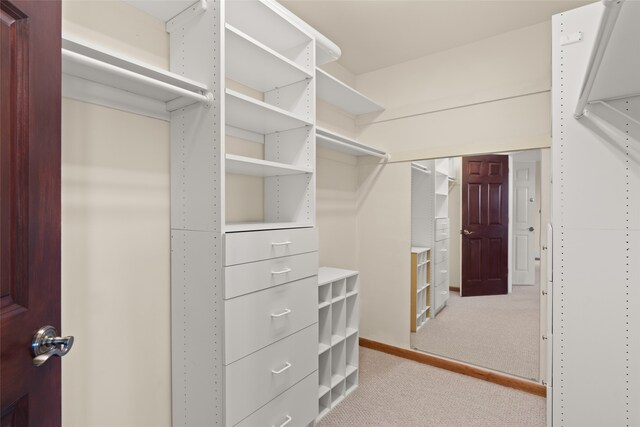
(197, 215)
(596, 243)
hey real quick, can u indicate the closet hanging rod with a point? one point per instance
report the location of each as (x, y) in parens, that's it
(364, 150)
(420, 168)
(71, 56)
(605, 29)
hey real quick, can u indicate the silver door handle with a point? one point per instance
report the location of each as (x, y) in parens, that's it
(467, 232)
(530, 228)
(46, 344)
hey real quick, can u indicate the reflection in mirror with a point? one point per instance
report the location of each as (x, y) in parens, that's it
(475, 259)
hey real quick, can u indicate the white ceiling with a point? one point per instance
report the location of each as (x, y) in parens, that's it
(375, 34)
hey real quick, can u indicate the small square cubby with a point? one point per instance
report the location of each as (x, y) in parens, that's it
(338, 289)
(352, 316)
(351, 354)
(338, 321)
(324, 328)
(337, 393)
(324, 372)
(352, 285)
(338, 363)
(324, 295)
(324, 405)
(351, 382)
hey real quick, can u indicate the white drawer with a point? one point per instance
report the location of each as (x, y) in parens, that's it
(442, 250)
(242, 279)
(253, 381)
(442, 272)
(258, 245)
(297, 406)
(441, 295)
(442, 234)
(256, 320)
(442, 223)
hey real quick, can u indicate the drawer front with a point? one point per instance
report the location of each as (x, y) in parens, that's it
(259, 245)
(442, 295)
(245, 278)
(442, 234)
(442, 250)
(255, 380)
(254, 321)
(442, 273)
(297, 406)
(442, 223)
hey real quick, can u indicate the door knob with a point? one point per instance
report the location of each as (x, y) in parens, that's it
(530, 228)
(46, 343)
(467, 232)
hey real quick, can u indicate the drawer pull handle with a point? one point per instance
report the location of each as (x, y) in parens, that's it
(281, 243)
(443, 271)
(283, 313)
(443, 250)
(286, 422)
(279, 371)
(443, 292)
(286, 270)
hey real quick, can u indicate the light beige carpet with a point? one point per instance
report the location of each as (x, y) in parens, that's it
(498, 332)
(399, 392)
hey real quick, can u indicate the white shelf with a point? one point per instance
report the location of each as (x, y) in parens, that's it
(342, 96)
(337, 299)
(336, 379)
(164, 10)
(256, 116)
(266, 22)
(94, 65)
(616, 41)
(323, 390)
(350, 370)
(351, 294)
(335, 339)
(334, 141)
(257, 167)
(322, 348)
(420, 168)
(234, 227)
(324, 304)
(418, 249)
(255, 65)
(330, 274)
(351, 331)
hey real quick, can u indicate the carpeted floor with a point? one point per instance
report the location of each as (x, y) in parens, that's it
(497, 332)
(399, 392)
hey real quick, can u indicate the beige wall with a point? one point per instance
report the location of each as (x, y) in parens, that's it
(115, 239)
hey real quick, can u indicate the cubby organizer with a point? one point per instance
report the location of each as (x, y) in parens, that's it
(338, 302)
(420, 287)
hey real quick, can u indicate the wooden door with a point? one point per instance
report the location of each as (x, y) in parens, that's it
(485, 225)
(29, 208)
(524, 244)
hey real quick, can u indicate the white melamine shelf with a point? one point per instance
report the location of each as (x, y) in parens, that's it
(98, 66)
(421, 168)
(267, 23)
(335, 339)
(256, 116)
(342, 96)
(616, 44)
(257, 167)
(351, 369)
(255, 65)
(324, 304)
(164, 10)
(351, 294)
(334, 141)
(322, 348)
(235, 227)
(351, 331)
(336, 379)
(323, 390)
(330, 274)
(337, 299)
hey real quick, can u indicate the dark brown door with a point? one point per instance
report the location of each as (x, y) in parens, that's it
(29, 208)
(485, 225)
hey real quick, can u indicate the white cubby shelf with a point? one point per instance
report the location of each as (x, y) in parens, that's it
(338, 304)
(258, 167)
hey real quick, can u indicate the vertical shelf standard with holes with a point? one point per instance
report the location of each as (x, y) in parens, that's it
(441, 245)
(338, 349)
(420, 287)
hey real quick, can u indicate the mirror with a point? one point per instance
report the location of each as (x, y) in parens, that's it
(477, 232)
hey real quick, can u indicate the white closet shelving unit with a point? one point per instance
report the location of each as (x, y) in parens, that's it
(338, 305)
(420, 287)
(596, 127)
(441, 245)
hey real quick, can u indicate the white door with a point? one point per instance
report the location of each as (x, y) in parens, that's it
(524, 190)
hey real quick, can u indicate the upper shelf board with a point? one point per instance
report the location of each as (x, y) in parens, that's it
(99, 66)
(255, 65)
(265, 21)
(257, 167)
(335, 92)
(333, 141)
(164, 9)
(256, 116)
(331, 274)
(619, 72)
